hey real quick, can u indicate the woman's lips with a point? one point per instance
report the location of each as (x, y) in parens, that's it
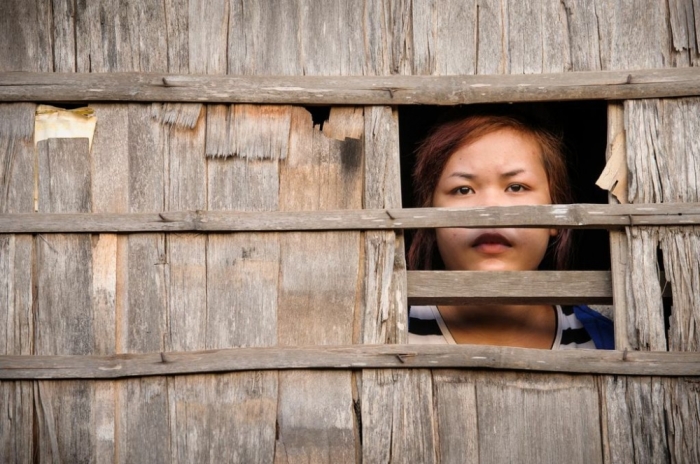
(491, 243)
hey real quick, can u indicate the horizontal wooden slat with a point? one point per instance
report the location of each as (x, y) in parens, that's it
(350, 357)
(348, 90)
(579, 216)
(521, 287)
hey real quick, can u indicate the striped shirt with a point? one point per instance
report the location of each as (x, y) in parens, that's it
(426, 326)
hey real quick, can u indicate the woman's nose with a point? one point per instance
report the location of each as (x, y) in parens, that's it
(493, 198)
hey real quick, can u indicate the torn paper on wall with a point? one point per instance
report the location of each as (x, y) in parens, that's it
(614, 176)
(54, 123)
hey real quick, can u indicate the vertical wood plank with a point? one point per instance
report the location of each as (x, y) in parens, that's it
(208, 29)
(398, 416)
(384, 309)
(530, 418)
(317, 302)
(618, 239)
(583, 36)
(64, 307)
(16, 297)
(26, 39)
(424, 36)
(456, 410)
(456, 41)
(629, 40)
(253, 48)
(63, 34)
(645, 329)
(121, 36)
(491, 49)
(634, 418)
(142, 429)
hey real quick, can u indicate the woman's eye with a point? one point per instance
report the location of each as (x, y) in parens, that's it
(516, 188)
(463, 190)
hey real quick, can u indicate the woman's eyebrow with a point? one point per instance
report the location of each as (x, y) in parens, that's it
(463, 175)
(513, 173)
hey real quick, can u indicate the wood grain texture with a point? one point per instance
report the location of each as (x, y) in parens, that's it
(350, 357)
(629, 40)
(577, 216)
(207, 30)
(398, 416)
(348, 90)
(456, 410)
(64, 313)
(26, 45)
(384, 310)
(522, 287)
(118, 37)
(633, 411)
(666, 169)
(456, 38)
(317, 303)
(528, 417)
(264, 40)
(618, 239)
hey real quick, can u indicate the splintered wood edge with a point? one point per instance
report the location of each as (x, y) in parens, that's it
(576, 216)
(348, 90)
(351, 357)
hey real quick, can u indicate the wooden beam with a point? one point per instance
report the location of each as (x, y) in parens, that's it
(350, 357)
(509, 287)
(579, 216)
(348, 90)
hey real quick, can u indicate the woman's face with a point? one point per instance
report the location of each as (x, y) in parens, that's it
(502, 168)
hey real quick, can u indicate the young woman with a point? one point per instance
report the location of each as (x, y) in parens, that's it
(496, 160)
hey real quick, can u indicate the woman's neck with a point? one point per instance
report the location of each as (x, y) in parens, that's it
(505, 325)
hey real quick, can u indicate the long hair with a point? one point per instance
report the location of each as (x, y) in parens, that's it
(435, 151)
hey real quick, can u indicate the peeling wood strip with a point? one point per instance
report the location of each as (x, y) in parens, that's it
(350, 357)
(348, 90)
(579, 216)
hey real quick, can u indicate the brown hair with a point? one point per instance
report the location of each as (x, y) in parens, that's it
(434, 152)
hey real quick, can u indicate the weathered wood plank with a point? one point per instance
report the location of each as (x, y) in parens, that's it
(384, 311)
(26, 39)
(64, 314)
(207, 30)
(629, 40)
(317, 303)
(634, 419)
(398, 416)
(242, 307)
(618, 239)
(522, 287)
(252, 49)
(349, 357)
(456, 409)
(456, 38)
(349, 90)
(578, 216)
(120, 37)
(530, 418)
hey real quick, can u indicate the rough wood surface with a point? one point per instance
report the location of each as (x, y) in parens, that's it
(663, 149)
(618, 239)
(317, 303)
(577, 216)
(350, 90)
(398, 416)
(384, 314)
(521, 287)
(350, 357)
(26, 41)
(531, 418)
(16, 288)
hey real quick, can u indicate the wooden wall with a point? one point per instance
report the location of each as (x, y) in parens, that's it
(132, 293)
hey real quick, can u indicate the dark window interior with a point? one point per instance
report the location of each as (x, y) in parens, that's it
(584, 126)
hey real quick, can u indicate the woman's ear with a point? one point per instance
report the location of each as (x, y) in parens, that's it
(553, 232)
